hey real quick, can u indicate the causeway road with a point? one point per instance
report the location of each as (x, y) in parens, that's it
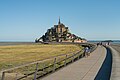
(83, 69)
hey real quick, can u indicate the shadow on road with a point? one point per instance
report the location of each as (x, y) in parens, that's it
(105, 71)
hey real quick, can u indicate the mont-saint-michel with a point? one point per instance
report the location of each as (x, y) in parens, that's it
(60, 33)
(84, 45)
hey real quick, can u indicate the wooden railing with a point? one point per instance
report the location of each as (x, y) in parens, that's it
(38, 69)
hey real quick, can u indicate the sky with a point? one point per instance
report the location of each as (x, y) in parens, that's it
(26, 20)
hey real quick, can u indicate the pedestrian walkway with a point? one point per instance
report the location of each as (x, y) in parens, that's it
(83, 69)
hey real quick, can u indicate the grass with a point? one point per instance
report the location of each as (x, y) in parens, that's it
(11, 56)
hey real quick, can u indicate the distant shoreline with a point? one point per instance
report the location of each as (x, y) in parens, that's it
(15, 43)
(96, 41)
(5, 43)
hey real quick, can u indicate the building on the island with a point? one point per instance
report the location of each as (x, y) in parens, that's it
(59, 33)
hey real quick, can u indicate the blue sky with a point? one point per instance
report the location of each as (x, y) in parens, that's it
(26, 20)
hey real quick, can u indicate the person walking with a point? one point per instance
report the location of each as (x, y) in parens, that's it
(89, 49)
(86, 51)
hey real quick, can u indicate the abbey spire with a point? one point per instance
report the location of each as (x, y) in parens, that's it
(59, 21)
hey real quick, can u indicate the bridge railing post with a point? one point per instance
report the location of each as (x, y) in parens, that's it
(3, 76)
(54, 65)
(83, 54)
(65, 60)
(44, 67)
(78, 55)
(16, 76)
(73, 57)
(36, 70)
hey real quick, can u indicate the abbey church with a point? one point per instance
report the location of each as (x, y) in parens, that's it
(59, 33)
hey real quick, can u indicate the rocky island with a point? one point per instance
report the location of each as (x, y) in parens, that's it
(60, 33)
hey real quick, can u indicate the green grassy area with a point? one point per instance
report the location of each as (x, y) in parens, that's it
(11, 56)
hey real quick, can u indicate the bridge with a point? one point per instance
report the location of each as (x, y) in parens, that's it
(102, 64)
